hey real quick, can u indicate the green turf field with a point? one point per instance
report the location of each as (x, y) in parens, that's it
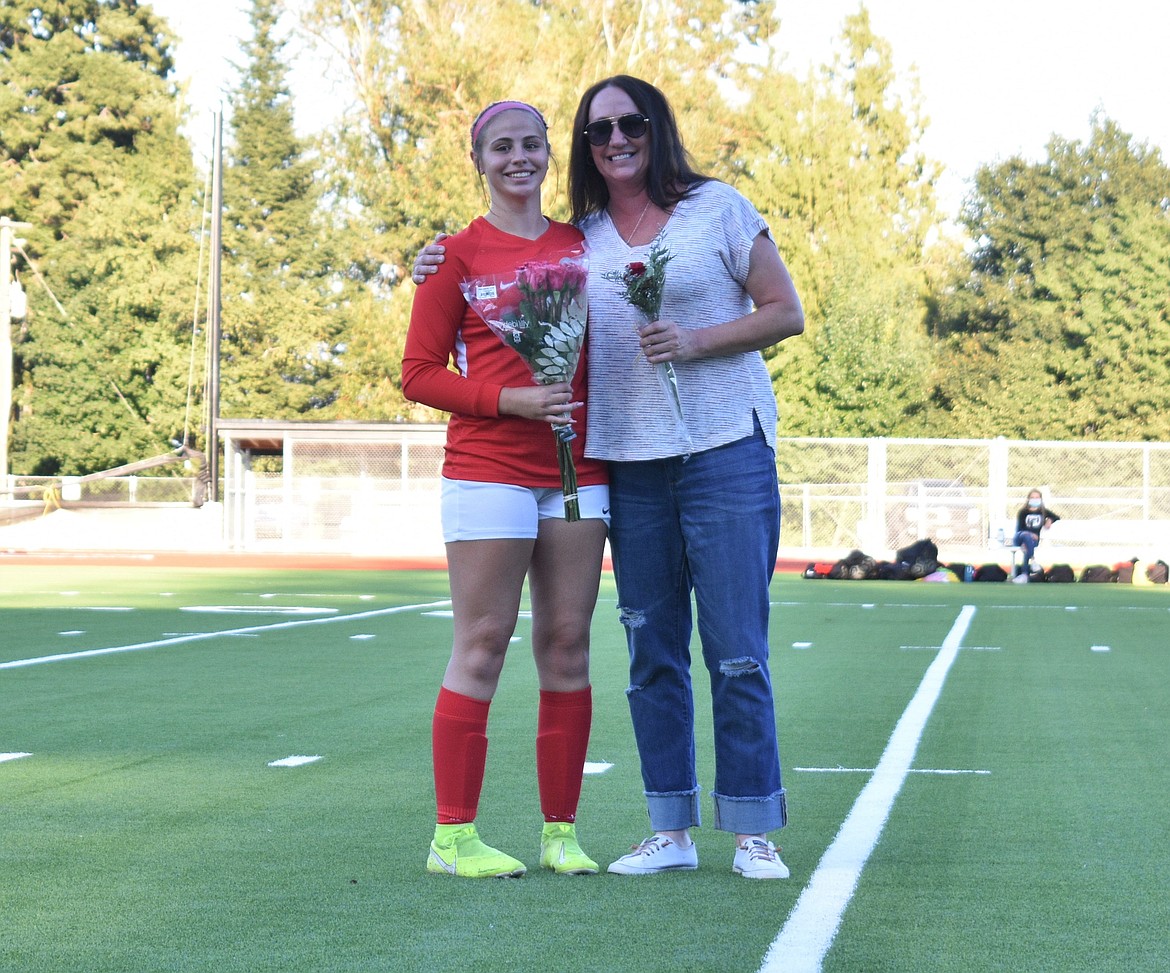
(987, 787)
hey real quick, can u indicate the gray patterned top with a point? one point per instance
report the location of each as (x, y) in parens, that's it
(710, 236)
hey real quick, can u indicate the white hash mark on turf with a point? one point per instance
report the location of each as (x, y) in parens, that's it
(12, 756)
(801, 945)
(296, 760)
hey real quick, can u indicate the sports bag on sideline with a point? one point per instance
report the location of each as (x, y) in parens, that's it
(990, 572)
(1098, 574)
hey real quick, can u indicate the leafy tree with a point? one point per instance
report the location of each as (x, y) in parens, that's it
(283, 294)
(1061, 328)
(834, 165)
(92, 157)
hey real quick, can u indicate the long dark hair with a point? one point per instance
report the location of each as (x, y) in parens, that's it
(672, 173)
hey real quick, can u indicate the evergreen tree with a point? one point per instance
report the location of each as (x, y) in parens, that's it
(92, 157)
(282, 302)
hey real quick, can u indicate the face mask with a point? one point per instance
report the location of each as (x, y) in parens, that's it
(1033, 503)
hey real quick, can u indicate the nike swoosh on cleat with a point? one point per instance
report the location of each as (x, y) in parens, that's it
(449, 869)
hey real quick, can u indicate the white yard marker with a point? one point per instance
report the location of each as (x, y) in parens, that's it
(801, 945)
(595, 767)
(1099, 648)
(297, 760)
(12, 756)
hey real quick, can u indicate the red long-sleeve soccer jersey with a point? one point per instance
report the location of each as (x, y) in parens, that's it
(454, 362)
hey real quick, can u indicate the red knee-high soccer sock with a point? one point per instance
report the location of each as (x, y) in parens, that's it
(459, 750)
(562, 738)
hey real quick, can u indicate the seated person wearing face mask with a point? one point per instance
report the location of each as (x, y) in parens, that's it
(1032, 518)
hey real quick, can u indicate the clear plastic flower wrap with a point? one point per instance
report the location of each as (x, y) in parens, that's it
(539, 310)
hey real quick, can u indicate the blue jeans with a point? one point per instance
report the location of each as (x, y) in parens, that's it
(709, 523)
(1027, 540)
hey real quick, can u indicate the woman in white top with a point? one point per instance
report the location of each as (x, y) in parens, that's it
(694, 503)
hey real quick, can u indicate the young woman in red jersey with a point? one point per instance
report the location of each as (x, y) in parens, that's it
(503, 510)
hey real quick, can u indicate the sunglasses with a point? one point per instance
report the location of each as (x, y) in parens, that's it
(633, 126)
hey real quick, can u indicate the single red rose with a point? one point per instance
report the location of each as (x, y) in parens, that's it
(636, 269)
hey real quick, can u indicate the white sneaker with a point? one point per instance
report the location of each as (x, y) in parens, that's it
(1020, 579)
(657, 853)
(758, 859)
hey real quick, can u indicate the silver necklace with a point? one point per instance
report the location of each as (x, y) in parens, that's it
(627, 239)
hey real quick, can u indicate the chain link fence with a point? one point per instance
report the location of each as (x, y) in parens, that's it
(374, 488)
(882, 494)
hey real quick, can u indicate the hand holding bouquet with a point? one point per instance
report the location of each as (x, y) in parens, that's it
(643, 284)
(540, 312)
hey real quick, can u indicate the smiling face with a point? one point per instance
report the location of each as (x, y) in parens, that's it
(622, 159)
(512, 153)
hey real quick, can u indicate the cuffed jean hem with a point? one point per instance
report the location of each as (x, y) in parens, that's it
(750, 815)
(674, 812)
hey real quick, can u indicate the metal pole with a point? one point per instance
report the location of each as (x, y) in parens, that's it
(213, 308)
(7, 227)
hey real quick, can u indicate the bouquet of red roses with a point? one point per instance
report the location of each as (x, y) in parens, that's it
(540, 311)
(642, 287)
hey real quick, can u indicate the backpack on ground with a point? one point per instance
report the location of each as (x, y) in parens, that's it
(1061, 574)
(892, 571)
(1158, 572)
(854, 566)
(1098, 574)
(920, 558)
(1123, 571)
(990, 572)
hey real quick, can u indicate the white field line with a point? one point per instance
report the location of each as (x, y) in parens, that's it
(801, 945)
(870, 770)
(296, 760)
(204, 636)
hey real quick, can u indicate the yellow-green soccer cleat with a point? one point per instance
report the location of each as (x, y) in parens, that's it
(560, 852)
(457, 850)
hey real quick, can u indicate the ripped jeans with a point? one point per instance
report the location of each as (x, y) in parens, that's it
(708, 524)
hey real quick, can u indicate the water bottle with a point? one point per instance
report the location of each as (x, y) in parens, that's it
(999, 537)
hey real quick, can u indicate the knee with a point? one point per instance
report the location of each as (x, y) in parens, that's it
(481, 647)
(738, 668)
(562, 650)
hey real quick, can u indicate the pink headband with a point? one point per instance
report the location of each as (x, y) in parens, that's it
(495, 108)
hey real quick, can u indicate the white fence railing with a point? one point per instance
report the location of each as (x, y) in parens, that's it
(343, 488)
